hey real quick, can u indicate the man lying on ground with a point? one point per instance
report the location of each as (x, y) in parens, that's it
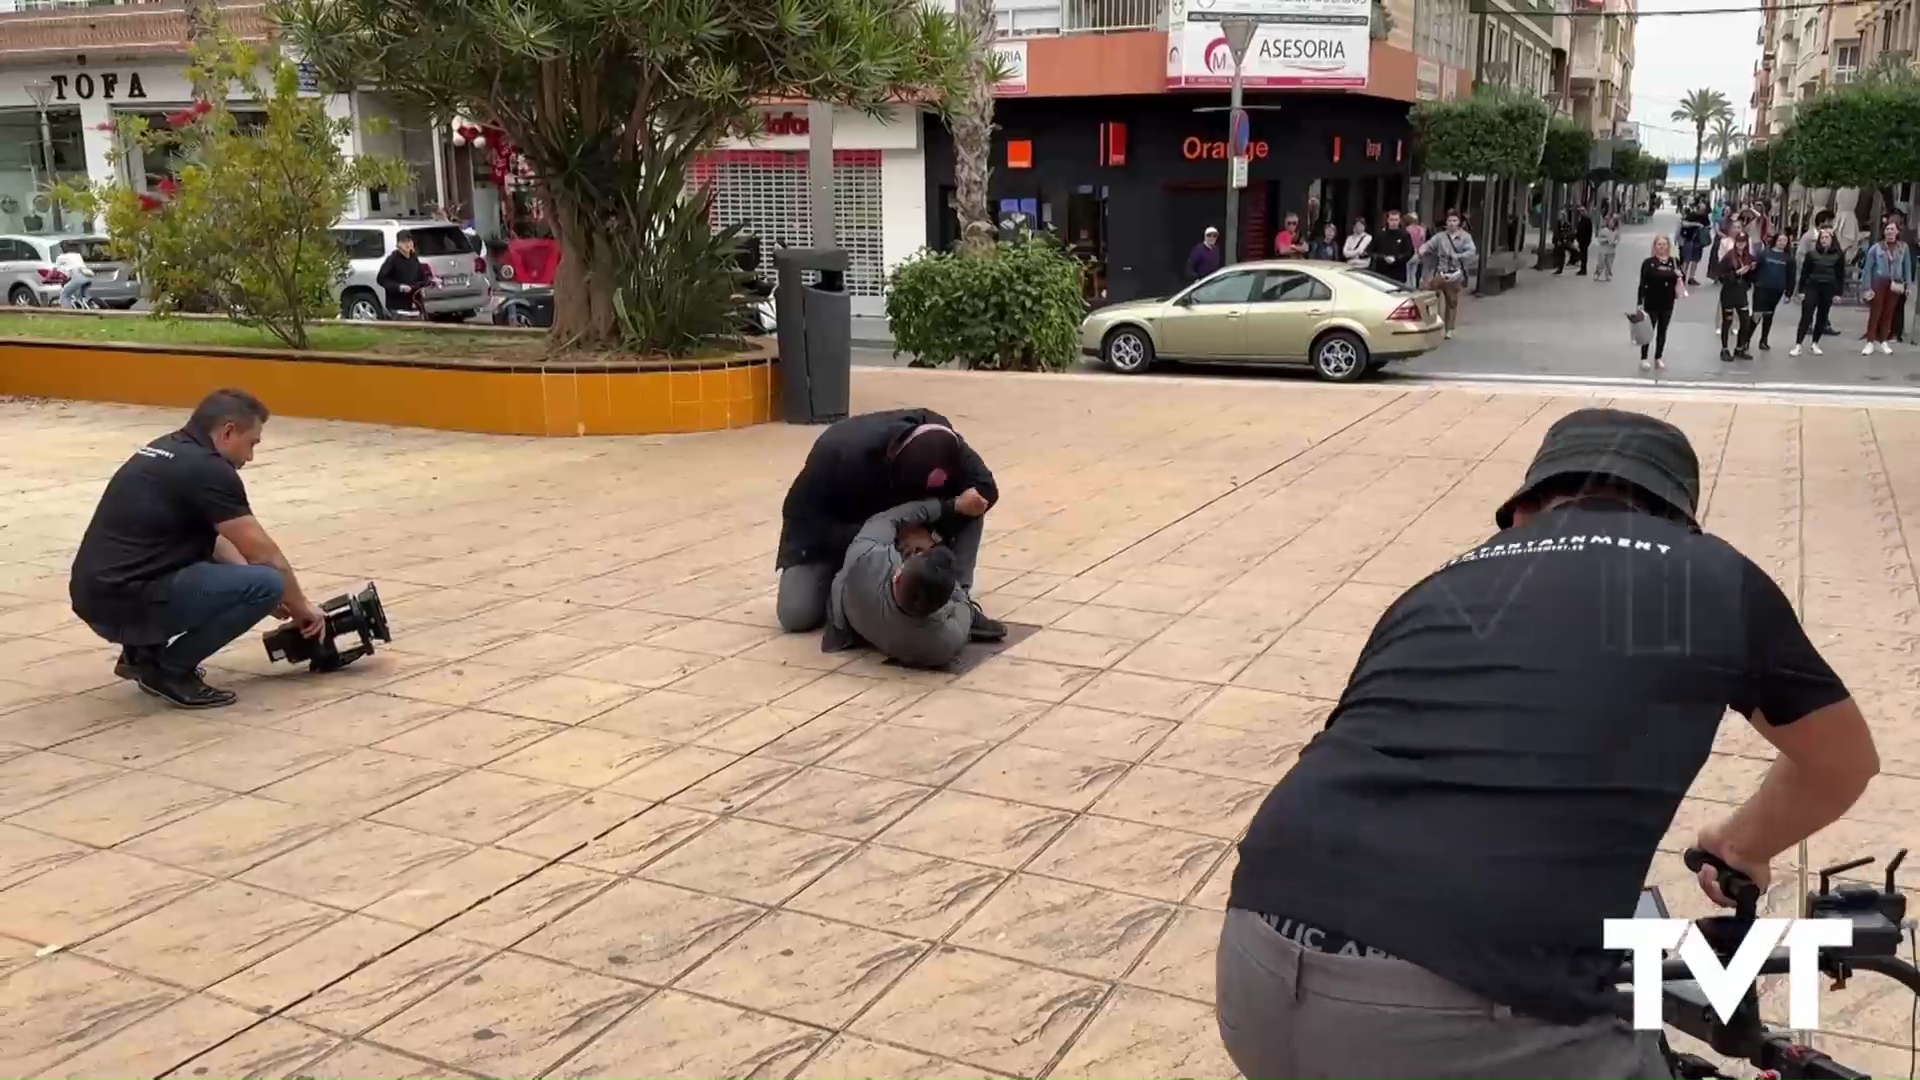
(866, 465)
(899, 591)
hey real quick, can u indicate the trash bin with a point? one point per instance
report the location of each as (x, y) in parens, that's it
(815, 334)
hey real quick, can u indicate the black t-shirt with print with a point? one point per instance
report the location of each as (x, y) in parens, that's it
(1513, 744)
(157, 517)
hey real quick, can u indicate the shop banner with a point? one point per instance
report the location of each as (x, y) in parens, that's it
(1296, 43)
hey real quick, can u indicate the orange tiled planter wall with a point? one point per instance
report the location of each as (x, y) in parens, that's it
(641, 399)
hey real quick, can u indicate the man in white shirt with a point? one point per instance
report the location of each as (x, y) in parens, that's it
(79, 278)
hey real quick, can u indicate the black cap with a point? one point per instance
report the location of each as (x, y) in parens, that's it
(1643, 452)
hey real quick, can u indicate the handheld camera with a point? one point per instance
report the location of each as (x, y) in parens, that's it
(360, 614)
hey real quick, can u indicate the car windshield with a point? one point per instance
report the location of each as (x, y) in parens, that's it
(441, 240)
(1378, 281)
(89, 248)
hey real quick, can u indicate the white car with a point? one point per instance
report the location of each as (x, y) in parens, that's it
(460, 285)
(28, 277)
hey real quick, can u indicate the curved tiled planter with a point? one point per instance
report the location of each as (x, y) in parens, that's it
(635, 397)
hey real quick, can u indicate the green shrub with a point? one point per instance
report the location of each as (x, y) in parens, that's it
(1015, 308)
(680, 287)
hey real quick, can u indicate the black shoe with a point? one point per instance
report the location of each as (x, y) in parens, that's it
(1742, 354)
(1764, 347)
(1582, 273)
(185, 691)
(986, 630)
(135, 658)
(1726, 357)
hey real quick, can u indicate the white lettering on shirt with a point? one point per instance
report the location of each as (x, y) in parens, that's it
(1577, 542)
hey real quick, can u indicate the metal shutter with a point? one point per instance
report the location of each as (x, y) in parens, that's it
(767, 191)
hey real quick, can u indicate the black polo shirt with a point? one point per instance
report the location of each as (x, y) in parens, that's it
(157, 517)
(1514, 742)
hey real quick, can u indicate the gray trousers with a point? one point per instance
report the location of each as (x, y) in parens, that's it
(1288, 1011)
(804, 589)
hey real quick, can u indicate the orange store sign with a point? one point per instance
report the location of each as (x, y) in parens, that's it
(1195, 148)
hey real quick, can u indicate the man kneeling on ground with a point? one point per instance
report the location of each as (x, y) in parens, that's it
(899, 591)
(864, 466)
(174, 565)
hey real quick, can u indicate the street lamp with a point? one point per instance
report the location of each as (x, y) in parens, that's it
(41, 92)
(1238, 31)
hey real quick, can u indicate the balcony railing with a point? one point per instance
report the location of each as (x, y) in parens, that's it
(1096, 16)
(35, 29)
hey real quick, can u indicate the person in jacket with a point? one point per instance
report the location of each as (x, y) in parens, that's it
(1450, 256)
(865, 465)
(403, 275)
(1205, 257)
(1888, 274)
(899, 592)
(73, 294)
(1326, 246)
(1661, 283)
(1696, 232)
(1392, 249)
(1358, 250)
(1583, 237)
(1773, 278)
(1564, 241)
(1606, 243)
(1733, 268)
(1823, 274)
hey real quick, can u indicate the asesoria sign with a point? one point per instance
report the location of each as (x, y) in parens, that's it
(1296, 43)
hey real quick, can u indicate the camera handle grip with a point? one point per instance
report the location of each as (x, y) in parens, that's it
(1738, 887)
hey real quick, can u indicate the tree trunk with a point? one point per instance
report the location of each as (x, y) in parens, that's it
(972, 118)
(583, 282)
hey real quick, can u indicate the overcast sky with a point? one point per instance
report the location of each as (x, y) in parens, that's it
(1678, 53)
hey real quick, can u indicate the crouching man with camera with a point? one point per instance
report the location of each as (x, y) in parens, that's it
(174, 565)
(1425, 893)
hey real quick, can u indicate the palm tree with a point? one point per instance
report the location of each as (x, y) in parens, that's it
(972, 123)
(1725, 138)
(1700, 108)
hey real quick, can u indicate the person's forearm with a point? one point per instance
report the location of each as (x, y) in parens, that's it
(1791, 804)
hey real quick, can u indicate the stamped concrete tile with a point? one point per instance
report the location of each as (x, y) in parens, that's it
(712, 636)
(803, 968)
(849, 1057)
(756, 728)
(1030, 679)
(358, 1060)
(311, 963)
(478, 807)
(976, 829)
(232, 836)
(469, 737)
(1213, 805)
(463, 883)
(1235, 753)
(383, 988)
(964, 1005)
(1128, 857)
(50, 723)
(159, 1042)
(32, 779)
(153, 740)
(836, 803)
(815, 740)
(511, 1016)
(563, 699)
(753, 681)
(574, 824)
(364, 719)
(761, 864)
(1181, 961)
(672, 773)
(1097, 732)
(678, 1035)
(622, 626)
(59, 1006)
(1037, 775)
(1057, 924)
(356, 864)
(251, 759)
(528, 905)
(735, 786)
(902, 892)
(1286, 717)
(987, 716)
(546, 651)
(645, 666)
(204, 937)
(642, 930)
(463, 682)
(1149, 695)
(644, 838)
(361, 782)
(583, 757)
(668, 715)
(1141, 1033)
(90, 895)
(1058, 646)
(271, 1048)
(912, 755)
(121, 808)
(25, 854)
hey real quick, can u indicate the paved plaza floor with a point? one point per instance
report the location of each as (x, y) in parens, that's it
(593, 815)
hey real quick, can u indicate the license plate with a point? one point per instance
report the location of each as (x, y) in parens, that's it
(454, 281)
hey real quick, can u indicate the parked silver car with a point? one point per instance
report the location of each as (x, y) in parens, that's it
(459, 289)
(28, 279)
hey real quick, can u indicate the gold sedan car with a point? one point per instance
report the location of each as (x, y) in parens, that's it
(1342, 321)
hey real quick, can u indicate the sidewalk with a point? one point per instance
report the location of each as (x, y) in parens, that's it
(593, 815)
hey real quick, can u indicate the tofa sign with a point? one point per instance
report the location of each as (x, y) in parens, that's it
(1725, 986)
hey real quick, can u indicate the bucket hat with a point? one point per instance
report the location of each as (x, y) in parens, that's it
(1644, 452)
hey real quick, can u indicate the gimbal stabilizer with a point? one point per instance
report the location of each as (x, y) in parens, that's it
(1877, 915)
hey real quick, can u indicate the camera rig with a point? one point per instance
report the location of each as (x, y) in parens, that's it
(1878, 916)
(359, 614)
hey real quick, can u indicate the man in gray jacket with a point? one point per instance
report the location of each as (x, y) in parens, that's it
(907, 604)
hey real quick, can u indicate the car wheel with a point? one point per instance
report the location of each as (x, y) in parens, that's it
(361, 306)
(21, 296)
(1128, 350)
(519, 315)
(1340, 357)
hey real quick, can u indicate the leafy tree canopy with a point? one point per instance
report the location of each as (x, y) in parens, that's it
(1489, 133)
(1861, 135)
(1569, 148)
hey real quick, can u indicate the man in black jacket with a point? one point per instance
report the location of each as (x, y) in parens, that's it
(865, 465)
(1392, 249)
(1583, 233)
(402, 276)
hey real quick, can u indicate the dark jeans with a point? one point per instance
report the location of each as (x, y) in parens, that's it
(211, 604)
(1728, 316)
(1815, 304)
(1661, 316)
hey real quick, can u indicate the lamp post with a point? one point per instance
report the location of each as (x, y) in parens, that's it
(41, 92)
(1239, 34)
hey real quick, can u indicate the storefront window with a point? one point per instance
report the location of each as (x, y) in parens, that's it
(28, 171)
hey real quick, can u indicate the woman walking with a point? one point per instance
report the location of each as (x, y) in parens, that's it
(1823, 273)
(1327, 247)
(1888, 274)
(1358, 250)
(1660, 285)
(1605, 243)
(1772, 279)
(1733, 268)
(1452, 256)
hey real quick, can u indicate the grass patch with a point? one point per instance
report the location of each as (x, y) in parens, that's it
(326, 337)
